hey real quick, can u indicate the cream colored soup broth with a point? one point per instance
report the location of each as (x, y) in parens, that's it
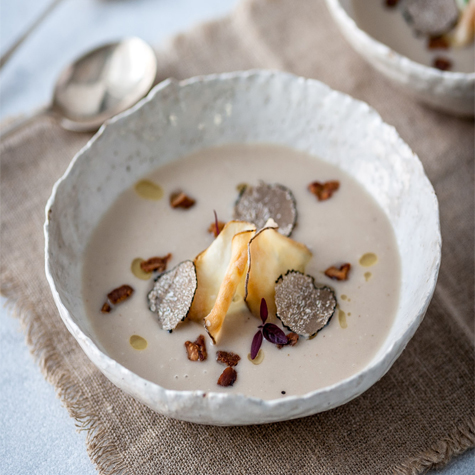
(345, 228)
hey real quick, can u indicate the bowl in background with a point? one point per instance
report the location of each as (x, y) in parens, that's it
(448, 91)
(178, 118)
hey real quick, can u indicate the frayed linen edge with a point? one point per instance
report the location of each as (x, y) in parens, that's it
(461, 439)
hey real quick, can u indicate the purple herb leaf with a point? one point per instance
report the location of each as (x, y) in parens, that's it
(256, 344)
(216, 224)
(274, 334)
(264, 311)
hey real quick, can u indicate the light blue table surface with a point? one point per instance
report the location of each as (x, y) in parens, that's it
(37, 436)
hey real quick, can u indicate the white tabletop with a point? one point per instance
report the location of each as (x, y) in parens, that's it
(37, 436)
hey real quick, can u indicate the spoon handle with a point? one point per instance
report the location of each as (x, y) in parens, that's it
(21, 123)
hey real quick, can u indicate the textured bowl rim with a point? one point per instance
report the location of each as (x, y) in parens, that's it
(397, 60)
(354, 385)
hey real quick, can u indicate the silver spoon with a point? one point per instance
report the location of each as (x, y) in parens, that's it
(99, 85)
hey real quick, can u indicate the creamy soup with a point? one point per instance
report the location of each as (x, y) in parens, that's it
(349, 227)
(388, 26)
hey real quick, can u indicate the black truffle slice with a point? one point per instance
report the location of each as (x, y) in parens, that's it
(430, 17)
(257, 204)
(302, 307)
(172, 294)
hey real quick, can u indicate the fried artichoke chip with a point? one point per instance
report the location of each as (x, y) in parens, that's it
(211, 268)
(232, 284)
(270, 255)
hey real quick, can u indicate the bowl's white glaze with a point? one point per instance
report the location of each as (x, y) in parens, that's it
(247, 107)
(451, 92)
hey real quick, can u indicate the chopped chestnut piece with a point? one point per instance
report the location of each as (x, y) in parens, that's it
(442, 63)
(323, 191)
(228, 377)
(228, 358)
(116, 296)
(216, 228)
(438, 42)
(292, 339)
(196, 351)
(120, 294)
(338, 274)
(180, 200)
(156, 264)
(192, 351)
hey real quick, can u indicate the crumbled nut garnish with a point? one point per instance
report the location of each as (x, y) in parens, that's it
(438, 42)
(120, 294)
(200, 341)
(116, 296)
(323, 191)
(338, 274)
(228, 377)
(292, 339)
(158, 264)
(180, 200)
(442, 63)
(227, 357)
(216, 228)
(196, 350)
(192, 351)
(391, 3)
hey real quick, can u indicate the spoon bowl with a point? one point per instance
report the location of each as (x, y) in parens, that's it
(104, 82)
(97, 86)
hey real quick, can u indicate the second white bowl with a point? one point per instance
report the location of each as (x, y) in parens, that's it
(451, 92)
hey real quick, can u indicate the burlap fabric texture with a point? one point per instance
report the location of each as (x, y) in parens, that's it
(418, 416)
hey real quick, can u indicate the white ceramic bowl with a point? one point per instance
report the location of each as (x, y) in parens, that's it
(180, 117)
(451, 92)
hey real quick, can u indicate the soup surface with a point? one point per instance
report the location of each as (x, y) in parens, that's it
(348, 227)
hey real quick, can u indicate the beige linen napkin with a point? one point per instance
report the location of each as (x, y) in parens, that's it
(418, 416)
